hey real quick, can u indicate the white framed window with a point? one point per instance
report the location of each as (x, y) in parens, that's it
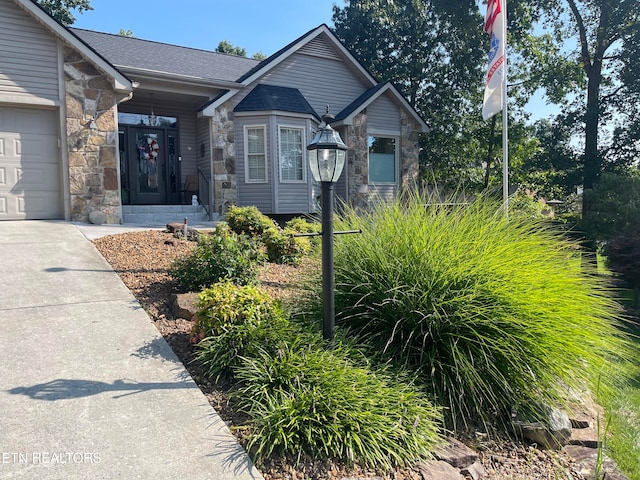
(291, 154)
(383, 160)
(255, 157)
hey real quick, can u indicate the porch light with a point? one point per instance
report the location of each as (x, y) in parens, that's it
(327, 154)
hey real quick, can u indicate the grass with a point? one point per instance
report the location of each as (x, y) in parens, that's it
(306, 398)
(491, 312)
(623, 418)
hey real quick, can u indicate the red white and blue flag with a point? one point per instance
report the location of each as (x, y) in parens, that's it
(494, 83)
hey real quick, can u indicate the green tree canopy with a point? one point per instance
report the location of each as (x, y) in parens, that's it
(227, 47)
(61, 9)
(434, 52)
(586, 58)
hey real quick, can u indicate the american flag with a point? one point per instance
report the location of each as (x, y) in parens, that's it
(494, 26)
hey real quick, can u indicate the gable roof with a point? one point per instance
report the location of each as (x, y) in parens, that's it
(284, 52)
(271, 97)
(345, 117)
(162, 59)
(281, 55)
(120, 82)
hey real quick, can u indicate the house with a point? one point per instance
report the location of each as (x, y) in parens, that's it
(94, 122)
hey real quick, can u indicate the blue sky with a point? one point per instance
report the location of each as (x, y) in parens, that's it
(256, 25)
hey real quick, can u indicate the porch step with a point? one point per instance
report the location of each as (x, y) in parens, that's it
(160, 215)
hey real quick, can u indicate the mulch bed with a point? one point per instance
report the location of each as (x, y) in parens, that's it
(141, 259)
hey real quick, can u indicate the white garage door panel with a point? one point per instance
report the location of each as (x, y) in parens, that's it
(29, 165)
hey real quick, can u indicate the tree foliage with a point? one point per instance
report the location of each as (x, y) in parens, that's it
(227, 47)
(433, 51)
(61, 9)
(590, 51)
(615, 206)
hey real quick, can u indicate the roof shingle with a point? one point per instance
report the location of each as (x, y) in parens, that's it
(127, 52)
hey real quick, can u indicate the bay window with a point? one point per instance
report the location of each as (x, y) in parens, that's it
(291, 154)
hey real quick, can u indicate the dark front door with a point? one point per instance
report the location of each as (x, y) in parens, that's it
(149, 166)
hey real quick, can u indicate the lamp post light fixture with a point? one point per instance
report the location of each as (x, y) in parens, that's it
(327, 153)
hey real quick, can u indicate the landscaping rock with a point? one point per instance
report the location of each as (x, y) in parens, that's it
(586, 437)
(552, 430)
(475, 470)
(456, 453)
(580, 422)
(173, 227)
(184, 305)
(585, 461)
(439, 470)
(192, 234)
(97, 217)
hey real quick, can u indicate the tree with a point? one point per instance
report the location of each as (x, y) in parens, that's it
(434, 52)
(615, 206)
(623, 257)
(61, 9)
(126, 33)
(226, 47)
(553, 170)
(591, 49)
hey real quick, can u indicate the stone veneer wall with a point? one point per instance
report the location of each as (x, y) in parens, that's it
(360, 195)
(358, 163)
(225, 188)
(409, 153)
(94, 181)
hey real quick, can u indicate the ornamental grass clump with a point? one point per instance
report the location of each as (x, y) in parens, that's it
(491, 312)
(304, 399)
(309, 401)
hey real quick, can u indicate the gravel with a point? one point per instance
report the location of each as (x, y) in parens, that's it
(141, 260)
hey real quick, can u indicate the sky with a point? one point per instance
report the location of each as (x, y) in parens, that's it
(256, 25)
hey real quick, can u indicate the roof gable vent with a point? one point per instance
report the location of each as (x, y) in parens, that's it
(318, 47)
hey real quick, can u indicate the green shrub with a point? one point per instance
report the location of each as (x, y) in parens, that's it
(281, 246)
(490, 311)
(309, 401)
(249, 221)
(221, 255)
(303, 225)
(234, 321)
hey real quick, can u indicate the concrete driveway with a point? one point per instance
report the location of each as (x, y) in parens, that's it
(88, 388)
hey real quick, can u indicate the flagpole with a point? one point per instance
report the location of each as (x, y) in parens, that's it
(505, 126)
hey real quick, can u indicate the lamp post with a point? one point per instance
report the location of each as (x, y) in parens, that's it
(327, 154)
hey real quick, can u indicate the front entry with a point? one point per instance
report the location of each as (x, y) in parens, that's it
(149, 166)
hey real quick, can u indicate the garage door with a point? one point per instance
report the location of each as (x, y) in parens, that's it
(29, 164)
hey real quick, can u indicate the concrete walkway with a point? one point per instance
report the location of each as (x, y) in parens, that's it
(88, 388)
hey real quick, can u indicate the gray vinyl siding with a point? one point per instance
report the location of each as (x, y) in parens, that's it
(203, 139)
(383, 192)
(28, 56)
(321, 81)
(203, 152)
(258, 194)
(384, 115)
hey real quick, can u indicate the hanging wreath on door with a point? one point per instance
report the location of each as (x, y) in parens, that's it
(151, 152)
(148, 152)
